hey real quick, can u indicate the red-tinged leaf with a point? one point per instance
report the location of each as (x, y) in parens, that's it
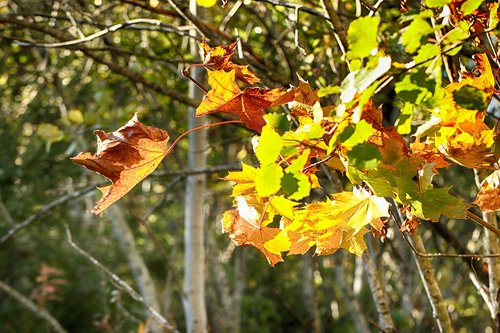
(219, 58)
(125, 156)
(245, 229)
(488, 198)
(247, 104)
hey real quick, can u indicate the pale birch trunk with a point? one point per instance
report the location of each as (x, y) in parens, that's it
(378, 293)
(194, 255)
(308, 293)
(355, 310)
(140, 272)
(492, 246)
(426, 271)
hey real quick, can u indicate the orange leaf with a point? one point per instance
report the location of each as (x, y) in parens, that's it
(245, 229)
(219, 58)
(248, 104)
(488, 198)
(125, 156)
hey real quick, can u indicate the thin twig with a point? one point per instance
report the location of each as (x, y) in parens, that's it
(301, 8)
(104, 32)
(208, 170)
(125, 286)
(43, 210)
(482, 222)
(396, 215)
(28, 304)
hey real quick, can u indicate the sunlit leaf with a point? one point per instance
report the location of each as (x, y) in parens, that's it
(247, 104)
(125, 156)
(488, 198)
(362, 37)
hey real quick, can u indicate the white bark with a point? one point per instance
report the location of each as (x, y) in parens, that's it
(355, 310)
(378, 294)
(194, 255)
(492, 245)
(140, 272)
(426, 271)
(308, 293)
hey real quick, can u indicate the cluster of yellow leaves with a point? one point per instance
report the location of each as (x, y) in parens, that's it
(460, 134)
(270, 213)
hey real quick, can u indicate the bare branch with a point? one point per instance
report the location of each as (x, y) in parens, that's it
(125, 286)
(104, 32)
(337, 25)
(112, 65)
(301, 8)
(43, 210)
(28, 304)
(208, 170)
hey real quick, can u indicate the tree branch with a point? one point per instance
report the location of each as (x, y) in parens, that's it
(101, 33)
(28, 304)
(112, 65)
(43, 210)
(426, 272)
(122, 284)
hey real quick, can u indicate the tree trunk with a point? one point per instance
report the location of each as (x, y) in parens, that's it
(308, 293)
(492, 246)
(426, 271)
(378, 293)
(140, 272)
(194, 257)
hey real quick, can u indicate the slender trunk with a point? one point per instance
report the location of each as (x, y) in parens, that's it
(239, 288)
(355, 310)
(194, 255)
(378, 294)
(426, 271)
(140, 272)
(492, 245)
(308, 293)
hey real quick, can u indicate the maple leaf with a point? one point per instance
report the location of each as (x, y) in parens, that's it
(245, 229)
(330, 225)
(247, 104)
(488, 198)
(125, 156)
(219, 58)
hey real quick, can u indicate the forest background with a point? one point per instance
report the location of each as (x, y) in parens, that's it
(156, 260)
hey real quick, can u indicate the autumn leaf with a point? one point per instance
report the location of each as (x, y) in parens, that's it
(247, 104)
(488, 198)
(219, 58)
(125, 156)
(245, 229)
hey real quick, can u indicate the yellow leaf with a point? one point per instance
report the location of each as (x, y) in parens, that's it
(206, 3)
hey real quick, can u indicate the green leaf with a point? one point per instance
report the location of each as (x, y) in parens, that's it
(414, 34)
(362, 37)
(270, 144)
(268, 180)
(358, 81)
(296, 185)
(427, 52)
(436, 3)
(330, 90)
(404, 121)
(470, 6)
(416, 87)
(436, 202)
(356, 134)
(471, 98)
(364, 156)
